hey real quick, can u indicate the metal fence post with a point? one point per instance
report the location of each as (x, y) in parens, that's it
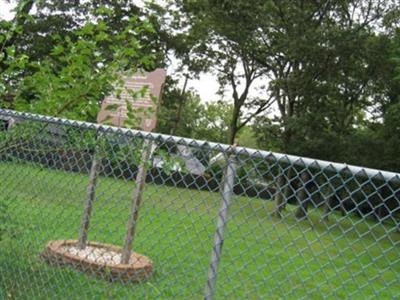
(227, 192)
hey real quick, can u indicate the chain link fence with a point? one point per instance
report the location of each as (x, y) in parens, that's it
(96, 212)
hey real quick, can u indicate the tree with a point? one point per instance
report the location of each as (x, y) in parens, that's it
(204, 121)
(73, 78)
(62, 23)
(316, 54)
(210, 35)
(317, 57)
(214, 122)
(175, 100)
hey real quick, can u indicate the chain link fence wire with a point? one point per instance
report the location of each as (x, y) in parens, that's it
(97, 212)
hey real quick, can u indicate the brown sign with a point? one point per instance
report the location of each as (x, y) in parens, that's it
(145, 105)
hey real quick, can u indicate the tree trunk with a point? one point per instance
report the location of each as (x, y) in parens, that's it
(233, 128)
(280, 201)
(288, 191)
(284, 191)
(303, 198)
(180, 108)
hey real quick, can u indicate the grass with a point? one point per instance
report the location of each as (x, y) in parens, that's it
(263, 257)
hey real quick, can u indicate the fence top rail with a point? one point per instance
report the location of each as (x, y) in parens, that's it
(268, 155)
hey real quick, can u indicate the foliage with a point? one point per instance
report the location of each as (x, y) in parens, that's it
(213, 122)
(331, 76)
(191, 108)
(328, 73)
(80, 68)
(205, 121)
(206, 32)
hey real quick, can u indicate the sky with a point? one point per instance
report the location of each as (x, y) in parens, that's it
(5, 10)
(206, 86)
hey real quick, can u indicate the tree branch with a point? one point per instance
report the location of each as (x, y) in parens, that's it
(267, 104)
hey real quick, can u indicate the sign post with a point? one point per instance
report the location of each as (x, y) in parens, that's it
(155, 81)
(146, 110)
(133, 266)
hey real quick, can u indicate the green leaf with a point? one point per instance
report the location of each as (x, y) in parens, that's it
(112, 107)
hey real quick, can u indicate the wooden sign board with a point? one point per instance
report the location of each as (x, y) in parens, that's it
(145, 105)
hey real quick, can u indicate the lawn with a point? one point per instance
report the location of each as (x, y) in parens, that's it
(263, 257)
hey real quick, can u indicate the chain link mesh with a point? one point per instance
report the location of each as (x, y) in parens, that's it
(204, 220)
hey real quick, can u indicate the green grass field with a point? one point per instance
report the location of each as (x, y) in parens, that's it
(263, 257)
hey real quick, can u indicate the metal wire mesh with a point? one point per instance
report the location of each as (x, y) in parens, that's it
(204, 220)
